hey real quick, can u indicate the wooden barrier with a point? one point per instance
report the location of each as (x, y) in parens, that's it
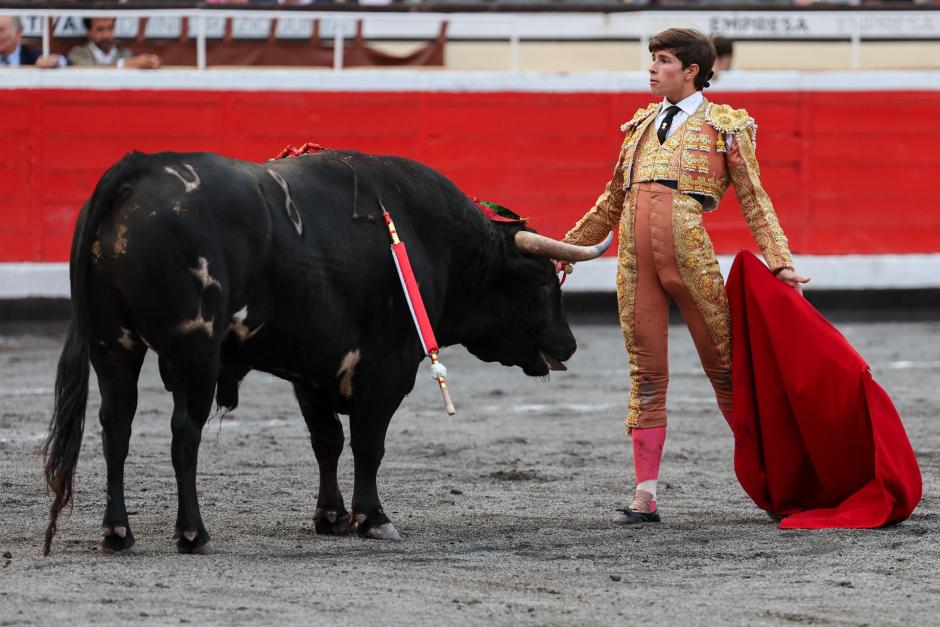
(851, 172)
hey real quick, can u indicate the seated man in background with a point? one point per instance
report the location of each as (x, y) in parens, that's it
(101, 50)
(14, 54)
(724, 49)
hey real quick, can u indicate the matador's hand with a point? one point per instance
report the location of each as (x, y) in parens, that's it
(567, 266)
(791, 278)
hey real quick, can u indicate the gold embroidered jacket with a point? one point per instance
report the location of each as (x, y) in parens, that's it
(699, 158)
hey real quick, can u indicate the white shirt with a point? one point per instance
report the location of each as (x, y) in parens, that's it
(102, 57)
(687, 107)
(14, 59)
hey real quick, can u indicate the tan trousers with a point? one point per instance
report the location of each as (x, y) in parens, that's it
(666, 253)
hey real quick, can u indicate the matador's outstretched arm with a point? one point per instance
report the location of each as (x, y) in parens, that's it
(755, 203)
(604, 216)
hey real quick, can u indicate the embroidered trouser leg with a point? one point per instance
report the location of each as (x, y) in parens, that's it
(666, 253)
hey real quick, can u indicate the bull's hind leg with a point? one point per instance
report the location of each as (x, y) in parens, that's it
(326, 436)
(117, 368)
(193, 385)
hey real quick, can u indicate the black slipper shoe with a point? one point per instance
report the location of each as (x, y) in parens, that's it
(633, 518)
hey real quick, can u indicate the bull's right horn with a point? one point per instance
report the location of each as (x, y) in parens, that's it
(541, 246)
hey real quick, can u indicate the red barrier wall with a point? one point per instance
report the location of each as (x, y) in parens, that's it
(852, 172)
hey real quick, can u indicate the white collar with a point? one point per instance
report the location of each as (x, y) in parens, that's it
(689, 104)
(14, 57)
(100, 55)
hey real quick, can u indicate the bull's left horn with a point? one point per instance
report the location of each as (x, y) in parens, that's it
(541, 246)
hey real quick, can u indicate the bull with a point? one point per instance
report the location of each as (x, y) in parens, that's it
(223, 266)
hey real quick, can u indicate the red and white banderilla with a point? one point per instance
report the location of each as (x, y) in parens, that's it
(418, 313)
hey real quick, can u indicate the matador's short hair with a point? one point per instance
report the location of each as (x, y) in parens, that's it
(691, 47)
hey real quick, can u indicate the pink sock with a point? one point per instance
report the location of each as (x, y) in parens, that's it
(647, 453)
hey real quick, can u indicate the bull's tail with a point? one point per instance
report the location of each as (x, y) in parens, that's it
(64, 439)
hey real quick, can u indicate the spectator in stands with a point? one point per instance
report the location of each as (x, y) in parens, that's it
(101, 49)
(14, 54)
(724, 48)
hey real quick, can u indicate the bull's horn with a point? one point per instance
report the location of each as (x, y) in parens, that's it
(541, 246)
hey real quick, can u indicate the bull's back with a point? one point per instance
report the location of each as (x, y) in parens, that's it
(181, 243)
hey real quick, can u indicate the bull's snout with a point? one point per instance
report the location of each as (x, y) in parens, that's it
(559, 345)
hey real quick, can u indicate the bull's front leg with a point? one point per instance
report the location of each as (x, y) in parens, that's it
(375, 400)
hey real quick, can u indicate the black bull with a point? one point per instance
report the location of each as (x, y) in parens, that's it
(223, 266)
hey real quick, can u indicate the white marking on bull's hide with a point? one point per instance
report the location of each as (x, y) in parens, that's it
(345, 373)
(120, 244)
(289, 206)
(190, 186)
(240, 316)
(196, 324)
(239, 326)
(202, 273)
(179, 208)
(127, 339)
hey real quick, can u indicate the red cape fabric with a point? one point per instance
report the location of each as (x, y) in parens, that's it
(817, 440)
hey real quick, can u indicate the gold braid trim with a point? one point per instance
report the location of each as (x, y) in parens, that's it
(600, 219)
(640, 115)
(755, 203)
(626, 299)
(727, 120)
(698, 267)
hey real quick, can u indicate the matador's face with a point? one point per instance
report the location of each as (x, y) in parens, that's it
(667, 76)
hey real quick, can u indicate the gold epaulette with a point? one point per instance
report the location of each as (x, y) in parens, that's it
(728, 120)
(639, 116)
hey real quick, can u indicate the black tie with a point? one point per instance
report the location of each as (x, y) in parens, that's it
(667, 122)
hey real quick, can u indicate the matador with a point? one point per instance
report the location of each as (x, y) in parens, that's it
(678, 157)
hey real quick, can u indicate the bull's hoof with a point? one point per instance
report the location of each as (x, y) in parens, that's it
(115, 539)
(331, 522)
(377, 527)
(381, 532)
(194, 542)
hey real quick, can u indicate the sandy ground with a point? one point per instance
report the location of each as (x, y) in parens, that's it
(503, 508)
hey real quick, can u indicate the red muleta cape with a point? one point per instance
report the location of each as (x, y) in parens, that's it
(816, 439)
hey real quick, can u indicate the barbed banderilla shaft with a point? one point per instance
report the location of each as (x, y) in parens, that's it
(418, 313)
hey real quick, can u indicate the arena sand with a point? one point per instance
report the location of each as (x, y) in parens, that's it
(504, 508)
